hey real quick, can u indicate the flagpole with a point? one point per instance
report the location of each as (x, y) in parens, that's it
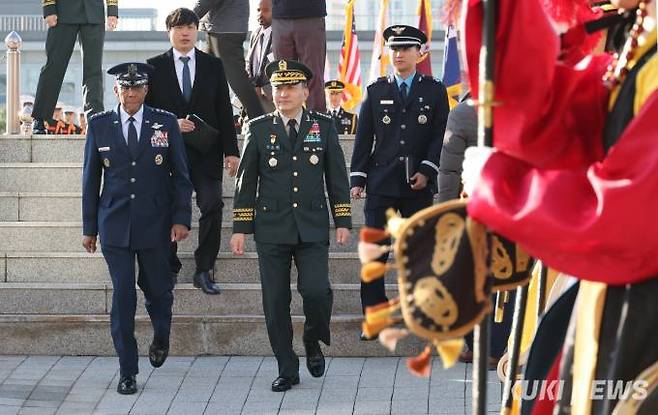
(515, 348)
(485, 138)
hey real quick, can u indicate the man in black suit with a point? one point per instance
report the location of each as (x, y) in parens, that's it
(260, 55)
(187, 81)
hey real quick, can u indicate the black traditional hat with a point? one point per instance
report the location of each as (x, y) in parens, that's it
(287, 72)
(131, 73)
(404, 36)
(334, 85)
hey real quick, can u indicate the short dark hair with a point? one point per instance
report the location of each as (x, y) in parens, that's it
(181, 17)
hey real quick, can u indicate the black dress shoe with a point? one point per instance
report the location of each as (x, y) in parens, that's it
(282, 384)
(365, 338)
(127, 385)
(38, 127)
(314, 359)
(202, 280)
(158, 354)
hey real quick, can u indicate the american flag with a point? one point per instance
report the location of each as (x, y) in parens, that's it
(349, 64)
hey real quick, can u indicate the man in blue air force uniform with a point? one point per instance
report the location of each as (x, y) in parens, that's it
(398, 141)
(144, 205)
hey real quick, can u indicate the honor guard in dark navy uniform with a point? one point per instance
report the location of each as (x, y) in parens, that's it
(138, 154)
(71, 21)
(345, 121)
(398, 141)
(287, 158)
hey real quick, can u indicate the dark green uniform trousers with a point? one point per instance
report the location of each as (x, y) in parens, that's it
(60, 42)
(312, 262)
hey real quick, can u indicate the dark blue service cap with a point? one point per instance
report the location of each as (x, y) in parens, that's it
(131, 73)
(403, 35)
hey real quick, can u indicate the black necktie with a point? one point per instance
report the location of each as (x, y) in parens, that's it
(187, 79)
(292, 131)
(132, 137)
(403, 91)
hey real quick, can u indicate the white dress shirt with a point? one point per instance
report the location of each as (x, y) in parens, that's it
(124, 116)
(178, 64)
(297, 118)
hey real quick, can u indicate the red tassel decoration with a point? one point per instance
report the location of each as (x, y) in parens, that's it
(372, 235)
(421, 365)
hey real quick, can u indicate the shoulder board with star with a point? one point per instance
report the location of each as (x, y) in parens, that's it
(321, 115)
(101, 114)
(161, 111)
(432, 78)
(261, 118)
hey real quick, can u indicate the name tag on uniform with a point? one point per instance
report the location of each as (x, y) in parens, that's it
(101, 149)
(386, 101)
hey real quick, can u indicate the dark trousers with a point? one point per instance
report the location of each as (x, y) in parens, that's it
(312, 262)
(156, 284)
(304, 40)
(209, 200)
(499, 333)
(60, 42)
(229, 48)
(375, 211)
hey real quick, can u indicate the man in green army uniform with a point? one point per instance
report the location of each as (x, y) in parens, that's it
(66, 20)
(288, 157)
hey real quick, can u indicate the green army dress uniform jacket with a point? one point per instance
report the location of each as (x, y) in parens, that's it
(280, 187)
(79, 11)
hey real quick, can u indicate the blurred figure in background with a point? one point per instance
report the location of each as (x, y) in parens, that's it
(260, 54)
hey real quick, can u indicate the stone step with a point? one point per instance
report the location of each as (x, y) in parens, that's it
(57, 178)
(96, 299)
(70, 148)
(67, 207)
(67, 237)
(190, 336)
(80, 267)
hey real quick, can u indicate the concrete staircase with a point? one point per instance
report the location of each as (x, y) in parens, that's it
(55, 298)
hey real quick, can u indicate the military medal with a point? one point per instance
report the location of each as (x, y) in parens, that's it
(273, 162)
(272, 138)
(386, 119)
(422, 119)
(314, 159)
(106, 162)
(158, 159)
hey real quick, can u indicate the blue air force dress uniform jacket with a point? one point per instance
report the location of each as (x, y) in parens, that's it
(143, 194)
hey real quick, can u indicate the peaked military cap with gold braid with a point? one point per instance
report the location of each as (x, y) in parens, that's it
(287, 72)
(444, 276)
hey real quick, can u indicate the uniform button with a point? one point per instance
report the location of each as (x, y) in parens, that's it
(132, 180)
(132, 196)
(294, 158)
(401, 158)
(403, 126)
(295, 174)
(133, 163)
(402, 142)
(404, 110)
(294, 189)
(294, 205)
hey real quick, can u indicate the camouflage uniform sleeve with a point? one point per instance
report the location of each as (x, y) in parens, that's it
(246, 185)
(112, 8)
(49, 7)
(338, 184)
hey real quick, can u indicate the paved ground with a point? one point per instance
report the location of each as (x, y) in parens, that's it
(232, 385)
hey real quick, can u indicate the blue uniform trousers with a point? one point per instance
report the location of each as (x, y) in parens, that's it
(155, 282)
(374, 292)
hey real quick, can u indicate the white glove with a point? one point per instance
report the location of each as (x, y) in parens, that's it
(474, 160)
